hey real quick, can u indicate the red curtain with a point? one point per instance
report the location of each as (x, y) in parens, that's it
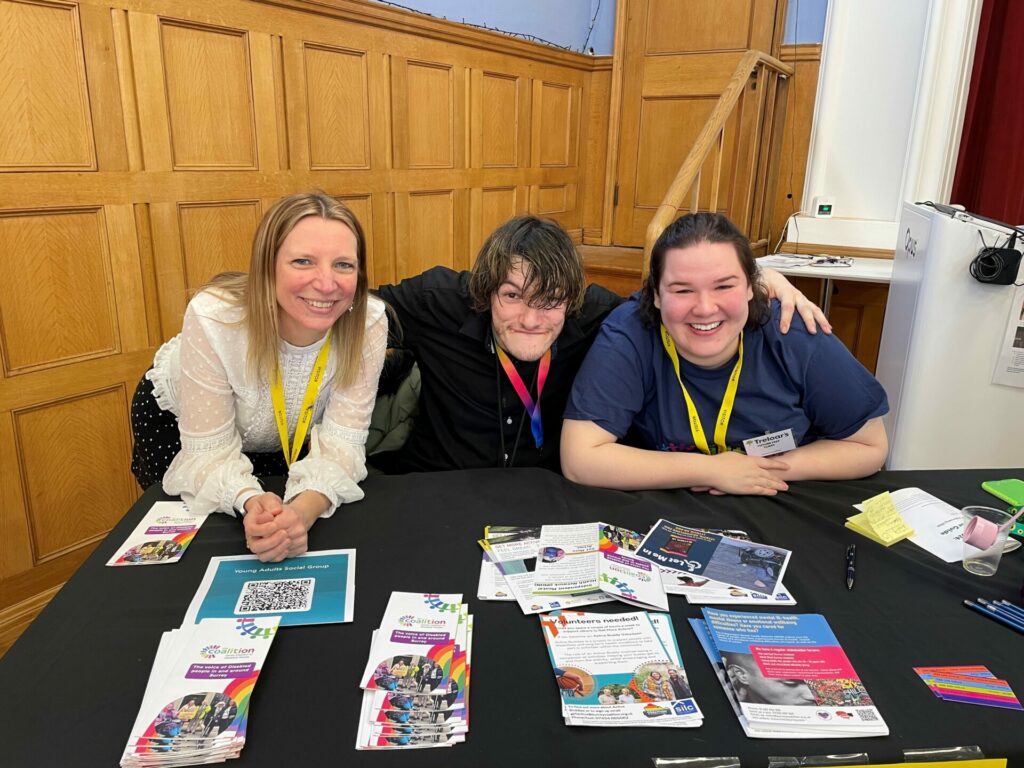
(989, 176)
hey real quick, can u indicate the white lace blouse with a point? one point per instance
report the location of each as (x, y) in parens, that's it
(200, 375)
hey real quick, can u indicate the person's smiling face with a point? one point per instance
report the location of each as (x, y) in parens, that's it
(523, 329)
(704, 300)
(316, 275)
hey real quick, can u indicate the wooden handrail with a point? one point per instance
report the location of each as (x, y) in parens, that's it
(711, 135)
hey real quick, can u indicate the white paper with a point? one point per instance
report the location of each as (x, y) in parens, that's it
(1010, 363)
(938, 526)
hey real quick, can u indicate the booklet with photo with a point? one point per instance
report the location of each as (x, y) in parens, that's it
(618, 670)
(746, 564)
(787, 675)
(312, 588)
(417, 635)
(196, 703)
(701, 591)
(162, 535)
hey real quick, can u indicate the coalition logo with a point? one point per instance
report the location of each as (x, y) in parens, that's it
(655, 710)
(824, 715)
(249, 628)
(408, 620)
(434, 602)
(217, 651)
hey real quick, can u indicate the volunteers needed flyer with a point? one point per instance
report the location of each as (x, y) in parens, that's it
(313, 588)
(619, 670)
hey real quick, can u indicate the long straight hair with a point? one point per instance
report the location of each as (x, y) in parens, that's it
(256, 292)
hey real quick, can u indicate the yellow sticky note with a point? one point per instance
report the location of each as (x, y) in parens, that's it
(881, 521)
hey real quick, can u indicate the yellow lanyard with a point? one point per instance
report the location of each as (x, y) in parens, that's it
(724, 413)
(306, 413)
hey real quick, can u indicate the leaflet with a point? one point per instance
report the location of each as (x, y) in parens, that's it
(566, 562)
(196, 702)
(313, 588)
(618, 669)
(788, 673)
(746, 564)
(504, 543)
(417, 631)
(162, 535)
(629, 578)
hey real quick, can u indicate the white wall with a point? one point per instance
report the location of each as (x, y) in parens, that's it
(888, 114)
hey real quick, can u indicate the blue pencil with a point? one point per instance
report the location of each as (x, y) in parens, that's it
(997, 616)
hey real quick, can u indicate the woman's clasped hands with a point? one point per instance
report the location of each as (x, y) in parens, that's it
(274, 530)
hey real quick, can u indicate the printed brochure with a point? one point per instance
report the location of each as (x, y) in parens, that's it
(619, 670)
(787, 676)
(696, 552)
(161, 537)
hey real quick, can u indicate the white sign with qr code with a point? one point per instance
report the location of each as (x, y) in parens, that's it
(275, 596)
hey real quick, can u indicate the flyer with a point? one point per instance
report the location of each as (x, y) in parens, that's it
(161, 537)
(313, 588)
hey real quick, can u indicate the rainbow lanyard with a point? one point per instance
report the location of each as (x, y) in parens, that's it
(306, 413)
(524, 393)
(728, 401)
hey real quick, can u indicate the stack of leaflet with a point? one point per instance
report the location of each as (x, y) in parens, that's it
(161, 537)
(575, 565)
(416, 681)
(786, 676)
(196, 706)
(619, 670)
(712, 566)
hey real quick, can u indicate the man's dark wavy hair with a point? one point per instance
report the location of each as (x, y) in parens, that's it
(553, 268)
(703, 227)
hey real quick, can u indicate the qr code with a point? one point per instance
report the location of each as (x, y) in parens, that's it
(867, 714)
(280, 596)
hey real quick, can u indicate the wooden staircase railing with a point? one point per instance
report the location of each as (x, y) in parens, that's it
(756, 93)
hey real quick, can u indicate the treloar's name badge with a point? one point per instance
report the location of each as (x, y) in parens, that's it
(770, 444)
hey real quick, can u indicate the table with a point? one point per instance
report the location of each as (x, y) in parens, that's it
(73, 682)
(861, 270)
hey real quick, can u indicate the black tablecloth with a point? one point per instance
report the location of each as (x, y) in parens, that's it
(72, 684)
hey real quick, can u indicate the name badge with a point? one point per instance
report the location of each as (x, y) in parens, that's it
(770, 444)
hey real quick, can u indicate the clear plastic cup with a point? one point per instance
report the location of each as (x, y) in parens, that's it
(985, 562)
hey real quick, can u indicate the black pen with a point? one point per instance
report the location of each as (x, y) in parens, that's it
(851, 564)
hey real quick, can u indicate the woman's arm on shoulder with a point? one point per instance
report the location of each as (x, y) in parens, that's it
(858, 455)
(592, 456)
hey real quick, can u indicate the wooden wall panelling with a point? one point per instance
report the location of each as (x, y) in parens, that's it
(216, 237)
(74, 294)
(151, 301)
(337, 105)
(126, 83)
(379, 88)
(208, 85)
(16, 553)
(595, 154)
(126, 268)
(267, 109)
(154, 125)
(296, 99)
(47, 124)
(75, 450)
(104, 90)
(796, 135)
(489, 208)
(362, 207)
(169, 267)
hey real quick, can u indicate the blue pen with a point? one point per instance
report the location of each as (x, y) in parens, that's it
(997, 616)
(1005, 605)
(1006, 610)
(851, 564)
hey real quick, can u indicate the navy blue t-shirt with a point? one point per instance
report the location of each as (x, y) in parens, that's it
(808, 383)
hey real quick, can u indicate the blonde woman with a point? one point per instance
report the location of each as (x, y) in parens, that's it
(266, 363)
